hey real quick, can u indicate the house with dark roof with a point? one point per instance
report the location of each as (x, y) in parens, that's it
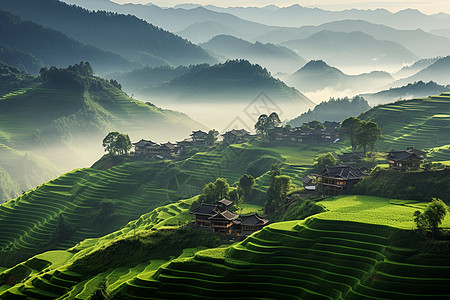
(246, 225)
(140, 148)
(337, 180)
(219, 219)
(403, 160)
(237, 136)
(199, 137)
(308, 183)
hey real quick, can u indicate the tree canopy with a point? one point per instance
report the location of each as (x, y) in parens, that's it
(362, 134)
(117, 143)
(266, 123)
(433, 215)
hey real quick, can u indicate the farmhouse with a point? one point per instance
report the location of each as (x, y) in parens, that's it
(140, 147)
(409, 159)
(337, 180)
(308, 183)
(306, 136)
(150, 149)
(199, 137)
(219, 219)
(237, 136)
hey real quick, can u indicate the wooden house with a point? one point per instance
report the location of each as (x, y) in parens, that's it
(403, 160)
(308, 183)
(337, 180)
(199, 137)
(214, 217)
(246, 225)
(140, 148)
(237, 136)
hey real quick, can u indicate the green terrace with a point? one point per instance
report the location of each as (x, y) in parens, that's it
(327, 256)
(421, 123)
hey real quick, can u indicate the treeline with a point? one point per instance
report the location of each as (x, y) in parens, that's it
(333, 110)
(421, 186)
(12, 79)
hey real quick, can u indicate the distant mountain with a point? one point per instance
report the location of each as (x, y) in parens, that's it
(21, 59)
(318, 75)
(231, 82)
(351, 49)
(275, 58)
(178, 19)
(333, 110)
(416, 67)
(419, 42)
(412, 90)
(65, 119)
(126, 35)
(438, 72)
(201, 32)
(23, 47)
(296, 16)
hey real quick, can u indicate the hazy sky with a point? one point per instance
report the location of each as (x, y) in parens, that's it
(432, 6)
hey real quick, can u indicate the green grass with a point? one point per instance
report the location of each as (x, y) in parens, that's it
(373, 210)
(421, 123)
(247, 209)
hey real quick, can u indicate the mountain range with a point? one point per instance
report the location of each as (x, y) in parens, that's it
(351, 49)
(22, 42)
(437, 71)
(273, 57)
(133, 38)
(418, 89)
(317, 75)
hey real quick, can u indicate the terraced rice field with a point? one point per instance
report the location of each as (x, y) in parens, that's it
(319, 258)
(33, 220)
(422, 123)
(46, 276)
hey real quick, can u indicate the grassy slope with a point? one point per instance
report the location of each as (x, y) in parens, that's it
(422, 123)
(66, 126)
(357, 250)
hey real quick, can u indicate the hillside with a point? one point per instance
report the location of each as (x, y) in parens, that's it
(436, 72)
(202, 32)
(420, 123)
(26, 50)
(65, 119)
(351, 49)
(411, 90)
(23, 60)
(273, 57)
(414, 68)
(126, 35)
(12, 79)
(318, 75)
(226, 81)
(344, 253)
(333, 110)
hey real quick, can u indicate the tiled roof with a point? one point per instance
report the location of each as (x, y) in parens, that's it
(206, 209)
(398, 155)
(344, 172)
(251, 220)
(225, 202)
(227, 215)
(143, 143)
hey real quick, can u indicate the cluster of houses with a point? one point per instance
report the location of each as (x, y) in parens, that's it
(217, 218)
(305, 134)
(339, 179)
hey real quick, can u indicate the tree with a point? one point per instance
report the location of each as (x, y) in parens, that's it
(116, 84)
(217, 190)
(266, 123)
(211, 138)
(350, 128)
(316, 125)
(117, 143)
(109, 142)
(326, 160)
(277, 191)
(260, 125)
(246, 184)
(367, 135)
(432, 217)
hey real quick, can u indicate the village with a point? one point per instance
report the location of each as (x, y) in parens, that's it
(331, 181)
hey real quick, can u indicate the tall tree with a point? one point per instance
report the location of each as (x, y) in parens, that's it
(432, 217)
(117, 143)
(350, 128)
(260, 125)
(109, 142)
(326, 160)
(368, 134)
(246, 184)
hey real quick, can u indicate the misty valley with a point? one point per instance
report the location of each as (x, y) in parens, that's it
(224, 151)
